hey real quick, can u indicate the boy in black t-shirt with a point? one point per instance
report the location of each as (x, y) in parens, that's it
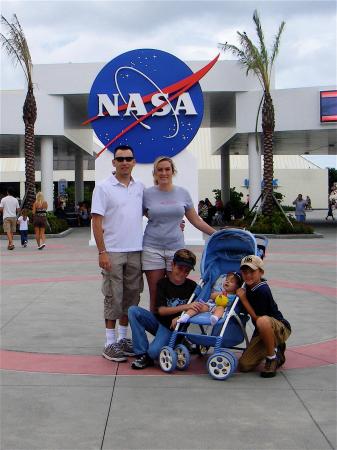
(173, 293)
(271, 328)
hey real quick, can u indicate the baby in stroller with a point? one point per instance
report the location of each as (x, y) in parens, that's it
(220, 298)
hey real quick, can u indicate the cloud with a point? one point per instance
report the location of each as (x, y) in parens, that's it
(90, 31)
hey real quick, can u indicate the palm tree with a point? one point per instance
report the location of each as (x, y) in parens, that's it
(17, 48)
(258, 60)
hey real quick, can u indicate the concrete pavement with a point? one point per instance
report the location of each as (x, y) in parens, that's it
(58, 393)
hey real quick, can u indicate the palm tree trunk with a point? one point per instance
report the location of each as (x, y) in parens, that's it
(29, 118)
(268, 126)
(268, 173)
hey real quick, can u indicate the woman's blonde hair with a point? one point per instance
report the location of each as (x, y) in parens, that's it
(158, 161)
(39, 197)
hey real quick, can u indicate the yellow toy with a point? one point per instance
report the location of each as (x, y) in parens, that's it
(221, 300)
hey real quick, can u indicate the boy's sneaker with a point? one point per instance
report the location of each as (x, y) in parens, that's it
(192, 348)
(281, 359)
(142, 362)
(113, 352)
(126, 347)
(270, 367)
(25, 244)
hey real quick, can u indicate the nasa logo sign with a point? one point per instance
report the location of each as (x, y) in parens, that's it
(148, 99)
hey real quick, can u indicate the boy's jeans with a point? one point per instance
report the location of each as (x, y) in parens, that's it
(24, 236)
(142, 320)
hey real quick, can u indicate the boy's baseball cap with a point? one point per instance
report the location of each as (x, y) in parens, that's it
(252, 261)
(182, 260)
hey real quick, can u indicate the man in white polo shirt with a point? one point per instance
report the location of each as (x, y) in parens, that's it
(9, 207)
(117, 221)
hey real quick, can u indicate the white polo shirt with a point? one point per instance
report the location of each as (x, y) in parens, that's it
(122, 210)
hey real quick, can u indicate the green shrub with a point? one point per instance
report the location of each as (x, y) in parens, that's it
(278, 224)
(56, 225)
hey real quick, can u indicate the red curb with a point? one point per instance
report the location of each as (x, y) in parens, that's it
(54, 363)
(300, 357)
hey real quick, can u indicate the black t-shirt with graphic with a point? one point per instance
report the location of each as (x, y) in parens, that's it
(169, 294)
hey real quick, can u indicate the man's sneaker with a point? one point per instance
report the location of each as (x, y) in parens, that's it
(113, 352)
(270, 367)
(281, 359)
(25, 244)
(126, 346)
(142, 362)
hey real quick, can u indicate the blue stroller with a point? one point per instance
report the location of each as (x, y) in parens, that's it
(222, 254)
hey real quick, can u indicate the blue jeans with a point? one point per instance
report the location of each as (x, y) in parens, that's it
(142, 320)
(24, 236)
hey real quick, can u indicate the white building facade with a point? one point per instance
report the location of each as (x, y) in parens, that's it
(65, 148)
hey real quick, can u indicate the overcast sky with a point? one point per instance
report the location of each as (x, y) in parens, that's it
(90, 31)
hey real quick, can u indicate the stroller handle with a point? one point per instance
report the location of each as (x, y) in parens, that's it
(262, 246)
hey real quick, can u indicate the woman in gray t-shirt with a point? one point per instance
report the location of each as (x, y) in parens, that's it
(165, 205)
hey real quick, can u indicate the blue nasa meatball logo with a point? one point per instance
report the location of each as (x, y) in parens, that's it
(148, 99)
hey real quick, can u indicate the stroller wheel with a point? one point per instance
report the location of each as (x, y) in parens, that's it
(183, 357)
(203, 350)
(232, 358)
(167, 359)
(219, 366)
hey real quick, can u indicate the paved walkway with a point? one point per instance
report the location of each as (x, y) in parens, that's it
(59, 393)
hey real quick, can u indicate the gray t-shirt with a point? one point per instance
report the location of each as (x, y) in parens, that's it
(165, 211)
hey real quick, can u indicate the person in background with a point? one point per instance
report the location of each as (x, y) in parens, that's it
(165, 205)
(9, 207)
(23, 222)
(330, 212)
(83, 215)
(300, 205)
(308, 201)
(211, 211)
(39, 210)
(203, 210)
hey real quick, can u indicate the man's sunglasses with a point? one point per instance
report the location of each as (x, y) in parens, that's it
(124, 158)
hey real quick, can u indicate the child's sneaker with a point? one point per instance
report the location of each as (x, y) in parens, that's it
(270, 367)
(113, 352)
(126, 347)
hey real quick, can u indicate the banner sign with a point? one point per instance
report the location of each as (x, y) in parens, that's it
(328, 103)
(148, 99)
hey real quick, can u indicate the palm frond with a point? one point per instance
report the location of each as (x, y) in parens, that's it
(259, 31)
(12, 53)
(276, 45)
(16, 46)
(255, 59)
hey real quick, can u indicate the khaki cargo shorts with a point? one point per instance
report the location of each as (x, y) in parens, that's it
(256, 351)
(122, 286)
(9, 224)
